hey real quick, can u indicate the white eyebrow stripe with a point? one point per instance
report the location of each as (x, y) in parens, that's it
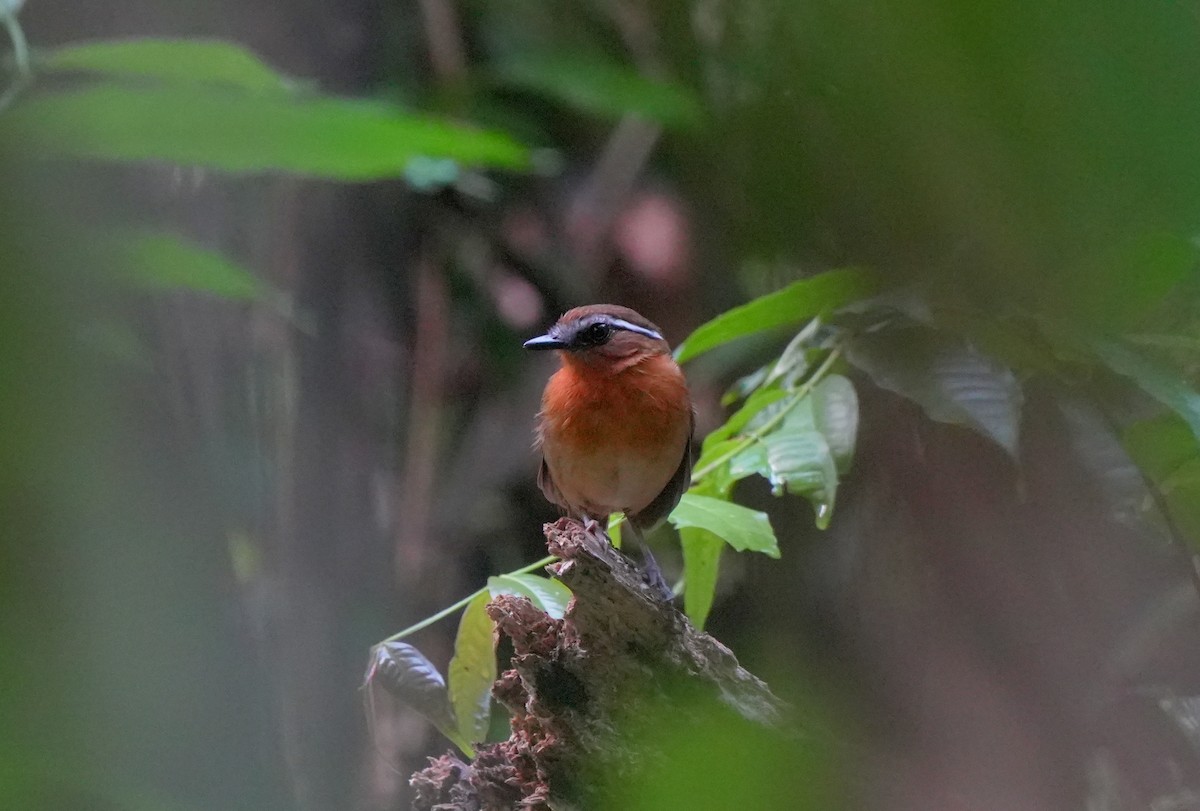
(621, 323)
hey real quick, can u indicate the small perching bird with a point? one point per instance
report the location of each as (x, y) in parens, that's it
(616, 424)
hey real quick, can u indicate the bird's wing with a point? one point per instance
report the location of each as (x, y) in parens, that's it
(549, 489)
(661, 507)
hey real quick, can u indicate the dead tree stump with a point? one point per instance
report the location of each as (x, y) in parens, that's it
(576, 683)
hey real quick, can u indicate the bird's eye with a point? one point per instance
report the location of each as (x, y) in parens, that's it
(595, 335)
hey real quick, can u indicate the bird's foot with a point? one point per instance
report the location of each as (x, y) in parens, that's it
(652, 576)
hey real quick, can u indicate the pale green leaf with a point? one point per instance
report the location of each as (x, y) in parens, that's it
(799, 461)
(235, 131)
(742, 528)
(835, 413)
(175, 60)
(701, 562)
(795, 303)
(549, 595)
(473, 671)
(753, 406)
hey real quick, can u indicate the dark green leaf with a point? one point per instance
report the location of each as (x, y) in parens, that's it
(549, 595)
(741, 528)
(835, 413)
(163, 261)
(473, 671)
(235, 131)
(1112, 471)
(603, 88)
(951, 380)
(1128, 284)
(173, 60)
(404, 672)
(795, 303)
(1156, 379)
(701, 562)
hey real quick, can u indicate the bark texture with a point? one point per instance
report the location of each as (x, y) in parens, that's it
(576, 683)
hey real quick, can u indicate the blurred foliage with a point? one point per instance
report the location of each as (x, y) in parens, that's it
(1017, 181)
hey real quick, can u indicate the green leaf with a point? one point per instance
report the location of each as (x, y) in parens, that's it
(1168, 452)
(797, 302)
(1109, 466)
(162, 261)
(754, 404)
(1113, 293)
(549, 595)
(1156, 379)
(1162, 445)
(799, 461)
(234, 131)
(835, 414)
(951, 380)
(173, 60)
(602, 88)
(473, 671)
(743, 529)
(701, 562)
(404, 672)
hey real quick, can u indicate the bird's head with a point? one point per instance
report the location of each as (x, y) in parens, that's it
(603, 335)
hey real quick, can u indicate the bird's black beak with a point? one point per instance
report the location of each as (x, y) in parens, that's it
(546, 341)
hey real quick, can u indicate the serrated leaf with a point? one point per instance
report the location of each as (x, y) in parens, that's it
(701, 564)
(603, 88)
(179, 60)
(473, 671)
(1156, 379)
(549, 595)
(742, 528)
(835, 414)
(795, 303)
(235, 131)
(404, 672)
(951, 380)
(163, 261)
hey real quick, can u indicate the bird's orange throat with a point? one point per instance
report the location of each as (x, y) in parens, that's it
(636, 405)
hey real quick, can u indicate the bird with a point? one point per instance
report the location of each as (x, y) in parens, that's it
(616, 424)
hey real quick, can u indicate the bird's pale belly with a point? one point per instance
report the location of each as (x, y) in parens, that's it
(600, 483)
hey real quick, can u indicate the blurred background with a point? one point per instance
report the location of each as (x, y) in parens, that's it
(219, 491)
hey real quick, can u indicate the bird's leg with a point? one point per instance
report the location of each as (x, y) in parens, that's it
(651, 573)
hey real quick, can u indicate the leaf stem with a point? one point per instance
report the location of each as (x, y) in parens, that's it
(461, 604)
(776, 418)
